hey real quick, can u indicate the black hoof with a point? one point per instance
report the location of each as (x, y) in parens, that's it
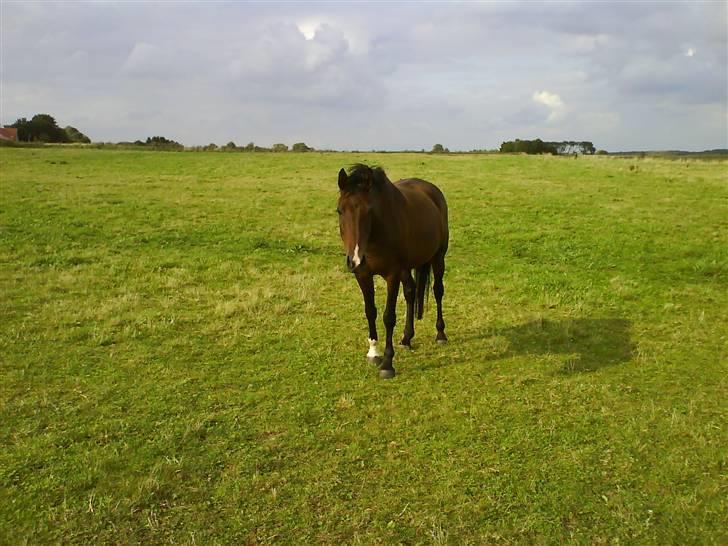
(376, 360)
(406, 344)
(386, 373)
(441, 341)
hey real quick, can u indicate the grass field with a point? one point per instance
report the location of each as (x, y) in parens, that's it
(182, 355)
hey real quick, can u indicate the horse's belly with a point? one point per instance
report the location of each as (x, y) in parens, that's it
(427, 242)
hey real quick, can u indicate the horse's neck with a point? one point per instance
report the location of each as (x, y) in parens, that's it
(387, 218)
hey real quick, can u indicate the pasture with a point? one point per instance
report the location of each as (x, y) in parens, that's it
(182, 354)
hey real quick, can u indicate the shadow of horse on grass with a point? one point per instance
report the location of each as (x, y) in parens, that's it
(591, 344)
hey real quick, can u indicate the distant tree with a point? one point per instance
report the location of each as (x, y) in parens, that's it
(508, 147)
(46, 129)
(230, 145)
(74, 135)
(280, 147)
(41, 128)
(163, 143)
(536, 146)
(24, 130)
(210, 147)
(249, 147)
(439, 149)
(602, 152)
(301, 147)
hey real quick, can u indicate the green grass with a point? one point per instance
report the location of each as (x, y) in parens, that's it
(182, 355)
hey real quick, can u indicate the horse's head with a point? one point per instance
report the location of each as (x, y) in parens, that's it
(355, 213)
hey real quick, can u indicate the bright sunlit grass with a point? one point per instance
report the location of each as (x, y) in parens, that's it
(182, 355)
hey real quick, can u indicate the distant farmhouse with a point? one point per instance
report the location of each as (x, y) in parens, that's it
(8, 133)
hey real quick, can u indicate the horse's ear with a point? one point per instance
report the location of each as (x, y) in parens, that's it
(342, 179)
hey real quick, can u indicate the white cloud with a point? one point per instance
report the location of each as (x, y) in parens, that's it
(314, 28)
(308, 28)
(284, 53)
(327, 45)
(552, 101)
(360, 76)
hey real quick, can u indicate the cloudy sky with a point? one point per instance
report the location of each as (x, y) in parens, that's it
(627, 76)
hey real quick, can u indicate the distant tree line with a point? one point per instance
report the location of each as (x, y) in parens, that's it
(538, 146)
(252, 147)
(156, 143)
(43, 128)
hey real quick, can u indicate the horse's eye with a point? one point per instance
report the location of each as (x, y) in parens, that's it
(338, 211)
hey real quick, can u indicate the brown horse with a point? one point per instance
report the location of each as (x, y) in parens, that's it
(389, 230)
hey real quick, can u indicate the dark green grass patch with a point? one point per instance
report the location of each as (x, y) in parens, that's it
(182, 356)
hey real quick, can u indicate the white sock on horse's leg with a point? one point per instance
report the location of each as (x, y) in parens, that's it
(374, 350)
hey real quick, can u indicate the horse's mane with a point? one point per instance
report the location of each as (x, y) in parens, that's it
(360, 172)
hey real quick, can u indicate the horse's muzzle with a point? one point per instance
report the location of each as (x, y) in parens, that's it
(355, 268)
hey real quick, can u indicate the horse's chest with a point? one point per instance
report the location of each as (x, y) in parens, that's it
(381, 262)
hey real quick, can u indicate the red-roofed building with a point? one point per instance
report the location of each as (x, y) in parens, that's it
(8, 133)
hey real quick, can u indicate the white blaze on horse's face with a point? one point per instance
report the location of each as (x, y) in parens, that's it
(355, 226)
(355, 218)
(356, 259)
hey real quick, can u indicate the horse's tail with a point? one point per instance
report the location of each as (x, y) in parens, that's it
(422, 283)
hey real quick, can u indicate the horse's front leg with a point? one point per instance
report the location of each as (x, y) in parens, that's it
(386, 370)
(366, 283)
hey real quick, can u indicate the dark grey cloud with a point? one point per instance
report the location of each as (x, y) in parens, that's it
(384, 76)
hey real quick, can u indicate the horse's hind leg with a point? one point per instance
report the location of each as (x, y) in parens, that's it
(438, 271)
(408, 284)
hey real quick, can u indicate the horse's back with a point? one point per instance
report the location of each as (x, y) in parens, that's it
(416, 185)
